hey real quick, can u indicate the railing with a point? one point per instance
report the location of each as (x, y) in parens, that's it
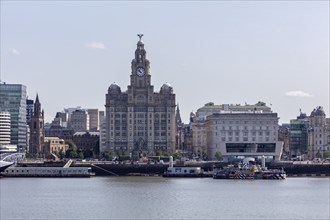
(12, 157)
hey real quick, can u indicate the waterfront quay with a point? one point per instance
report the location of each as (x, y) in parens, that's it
(124, 169)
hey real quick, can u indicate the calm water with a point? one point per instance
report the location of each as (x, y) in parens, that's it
(163, 198)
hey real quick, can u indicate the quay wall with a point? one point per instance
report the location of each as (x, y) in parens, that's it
(158, 169)
(111, 169)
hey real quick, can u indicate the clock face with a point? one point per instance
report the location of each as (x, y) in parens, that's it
(140, 71)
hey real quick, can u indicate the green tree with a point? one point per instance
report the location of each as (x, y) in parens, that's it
(70, 153)
(176, 155)
(318, 154)
(61, 154)
(326, 154)
(107, 155)
(56, 153)
(218, 155)
(71, 144)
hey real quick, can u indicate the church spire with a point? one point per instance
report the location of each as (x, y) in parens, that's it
(177, 115)
(37, 106)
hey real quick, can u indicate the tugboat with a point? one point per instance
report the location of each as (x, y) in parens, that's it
(248, 170)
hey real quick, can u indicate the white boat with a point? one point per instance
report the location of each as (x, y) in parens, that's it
(4, 165)
(47, 172)
(184, 171)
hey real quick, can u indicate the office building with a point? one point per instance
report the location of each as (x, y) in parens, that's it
(13, 100)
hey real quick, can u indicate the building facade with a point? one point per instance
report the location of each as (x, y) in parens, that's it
(79, 121)
(4, 127)
(55, 144)
(94, 119)
(318, 134)
(200, 137)
(140, 120)
(13, 100)
(299, 136)
(245, 134)
(37, 130)
(29, 110)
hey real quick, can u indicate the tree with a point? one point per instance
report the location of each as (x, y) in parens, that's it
(318, 154)
(107, 155)
(176, 155)
(61, 154)
(218, 155)
(56, 153)
(326, 154)
(70, 153)
(71, 144)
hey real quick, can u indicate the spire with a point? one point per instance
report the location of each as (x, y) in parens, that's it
(37, 98)
(37, 106)
(177, 115)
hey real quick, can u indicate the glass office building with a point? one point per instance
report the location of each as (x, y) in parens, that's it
(13, 100)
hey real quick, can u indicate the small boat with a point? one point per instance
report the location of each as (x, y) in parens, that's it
(172, 171)
(248, 170)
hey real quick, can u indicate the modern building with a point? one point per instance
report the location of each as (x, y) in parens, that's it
(299, 136)
(29, 110)
(94, 119)
(140, 120)
(79, 121)
(37, 130)
(13, 100)
(243, 134)
(4, 128)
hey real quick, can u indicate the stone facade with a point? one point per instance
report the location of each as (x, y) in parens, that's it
(243, 135)
(318, 134)
(79, 121)
(53, 144)
(140, 120)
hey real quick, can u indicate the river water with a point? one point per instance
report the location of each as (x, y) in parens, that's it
(163, 198)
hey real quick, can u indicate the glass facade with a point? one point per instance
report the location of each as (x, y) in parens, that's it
(250, 148)
(13, 100)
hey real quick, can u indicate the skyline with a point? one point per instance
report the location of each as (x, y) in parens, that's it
(221, 52)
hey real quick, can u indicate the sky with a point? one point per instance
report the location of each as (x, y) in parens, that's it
(226, 52)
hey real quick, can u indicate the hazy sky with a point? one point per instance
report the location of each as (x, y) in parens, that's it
(219, 51)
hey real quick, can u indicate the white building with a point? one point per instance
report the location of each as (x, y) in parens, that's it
(79, 121)
(4, 128)
(227, 127)
(243, 134)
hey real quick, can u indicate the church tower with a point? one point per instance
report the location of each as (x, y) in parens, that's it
(37, 131)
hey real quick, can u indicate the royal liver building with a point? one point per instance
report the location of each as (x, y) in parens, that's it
(140, 120)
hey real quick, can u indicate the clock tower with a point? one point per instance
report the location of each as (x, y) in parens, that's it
(139, 120)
